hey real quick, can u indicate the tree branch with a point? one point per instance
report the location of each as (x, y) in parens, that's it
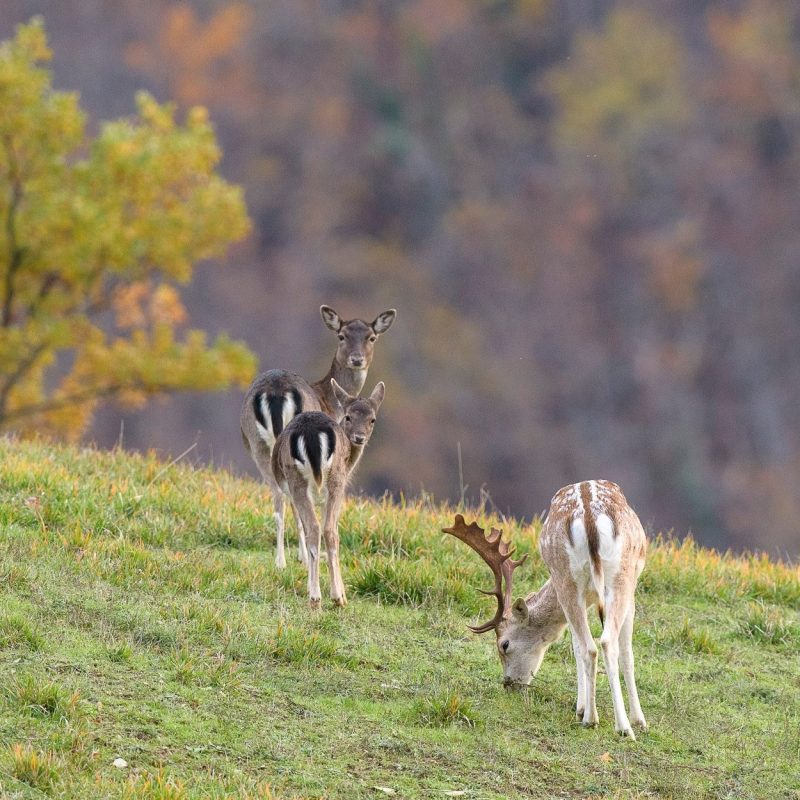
(70, 400)
(15, 252)
(14, 378)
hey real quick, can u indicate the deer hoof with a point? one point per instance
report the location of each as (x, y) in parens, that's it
(315, 603)
(579, 714)
(627, 733)
(640, 723)
(340, 601)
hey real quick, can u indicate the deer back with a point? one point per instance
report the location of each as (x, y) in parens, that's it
(273, 400)
(591, 529)
(310, 450)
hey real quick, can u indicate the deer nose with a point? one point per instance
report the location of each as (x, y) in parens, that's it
(359, 438)
(356, 361)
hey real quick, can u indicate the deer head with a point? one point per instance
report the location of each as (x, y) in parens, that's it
(356, 337)
(522, 635)
(359, 413)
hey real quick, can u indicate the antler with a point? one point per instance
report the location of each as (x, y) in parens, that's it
(497, 554)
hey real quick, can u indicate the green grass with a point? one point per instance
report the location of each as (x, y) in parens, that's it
(142, 618)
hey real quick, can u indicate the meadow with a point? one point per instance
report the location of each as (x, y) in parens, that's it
(142, 618)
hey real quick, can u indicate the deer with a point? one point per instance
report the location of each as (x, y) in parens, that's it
(276, 397)
(594, 547)
(312, 461)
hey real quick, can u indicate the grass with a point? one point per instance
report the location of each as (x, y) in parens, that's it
(142, 618)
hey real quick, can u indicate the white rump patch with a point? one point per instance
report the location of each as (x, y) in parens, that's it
(265, 433)
(303, 465)
(578, 553)
(610, 548)
(325, 457)
(289, 409)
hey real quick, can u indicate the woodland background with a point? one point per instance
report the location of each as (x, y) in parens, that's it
(585, 211)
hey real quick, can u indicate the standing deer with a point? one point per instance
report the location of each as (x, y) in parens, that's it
(594, 546)
(275, 397)
(312, 460)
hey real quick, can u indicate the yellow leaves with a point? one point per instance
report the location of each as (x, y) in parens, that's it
(31, 40)
(109, 223)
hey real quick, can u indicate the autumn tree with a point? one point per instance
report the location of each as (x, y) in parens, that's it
(96, 236)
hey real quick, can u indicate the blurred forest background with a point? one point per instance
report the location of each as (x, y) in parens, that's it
(585, 211)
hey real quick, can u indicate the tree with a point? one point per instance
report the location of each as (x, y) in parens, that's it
(95, 237)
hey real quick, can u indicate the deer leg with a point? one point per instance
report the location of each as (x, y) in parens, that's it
(580, 706)
(302, 552)
(306, 514)
(616, 609)
(264, 466)
(584, 646)
(333, 508)
(626, 659)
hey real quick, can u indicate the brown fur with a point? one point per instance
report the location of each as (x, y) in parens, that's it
(351, 436)
(356, 338)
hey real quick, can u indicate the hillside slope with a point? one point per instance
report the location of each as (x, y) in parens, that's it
(141, 618)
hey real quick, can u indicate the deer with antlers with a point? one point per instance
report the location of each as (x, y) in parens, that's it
(594, 547)
(276, 397)
(312, 460)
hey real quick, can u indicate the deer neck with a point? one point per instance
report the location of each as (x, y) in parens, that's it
(356, 451)
(351, 380)
(544, 606)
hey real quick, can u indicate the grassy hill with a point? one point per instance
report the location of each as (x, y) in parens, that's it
(142, 618)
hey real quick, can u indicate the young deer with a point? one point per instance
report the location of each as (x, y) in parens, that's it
(275, 397)
(594, 546)
(312, 460)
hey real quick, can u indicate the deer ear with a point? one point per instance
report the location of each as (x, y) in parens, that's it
(330, 318)
(520, 610)
(384, 321)
(378, 393)
(340, 394)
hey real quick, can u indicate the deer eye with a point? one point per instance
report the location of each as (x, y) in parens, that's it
(372, 421)
(341, 337)
(347, 418)
(373, 338)
(504, 646)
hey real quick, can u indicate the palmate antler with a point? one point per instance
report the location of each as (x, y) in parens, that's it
(497, 554)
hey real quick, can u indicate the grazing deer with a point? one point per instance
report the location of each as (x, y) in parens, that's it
(594, 546)
(275, 397)
(313, 459)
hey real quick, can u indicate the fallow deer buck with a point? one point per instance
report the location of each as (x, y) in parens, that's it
(275, 397)
(312, 460)
(594, 546)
